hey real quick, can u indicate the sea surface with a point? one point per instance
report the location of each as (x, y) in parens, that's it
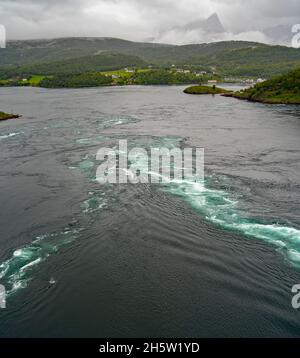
(212, 259)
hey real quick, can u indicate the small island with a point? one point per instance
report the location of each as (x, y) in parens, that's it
(279, 90)
(4, 116)
(205, 90)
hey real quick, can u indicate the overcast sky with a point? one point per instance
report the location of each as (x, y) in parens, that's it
(155, 20)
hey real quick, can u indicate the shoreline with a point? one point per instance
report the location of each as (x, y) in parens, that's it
(233, 95)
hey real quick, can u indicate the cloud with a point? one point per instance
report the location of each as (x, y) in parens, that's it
(196, 36)
(143, 19)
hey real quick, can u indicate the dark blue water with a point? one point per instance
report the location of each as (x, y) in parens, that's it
(216, 259)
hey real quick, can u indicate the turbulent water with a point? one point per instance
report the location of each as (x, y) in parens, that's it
(213, 258)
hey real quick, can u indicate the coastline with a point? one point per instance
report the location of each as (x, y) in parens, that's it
(263, 101)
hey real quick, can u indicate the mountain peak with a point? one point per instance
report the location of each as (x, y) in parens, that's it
(214, 16)
(210, 25)
(213, 24)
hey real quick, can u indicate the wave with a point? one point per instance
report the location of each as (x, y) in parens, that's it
(15, 273)
(9, 135)
(114, 120)
(94, 203)
(219, 208)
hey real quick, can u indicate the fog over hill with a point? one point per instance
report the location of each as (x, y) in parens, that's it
(211, 29)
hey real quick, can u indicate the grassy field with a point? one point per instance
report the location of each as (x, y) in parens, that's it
(4, 82)
(123, 73)
(35, 80)
(31, 81)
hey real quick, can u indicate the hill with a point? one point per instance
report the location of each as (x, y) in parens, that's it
(259, 61)
(235, 58)
(103, 62)
(279, 90)
(45, 51)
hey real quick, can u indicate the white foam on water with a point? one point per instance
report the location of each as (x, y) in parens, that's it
(91, 141)
(52, 281)
(30, 264)
(9, 135)
(16, 272)
(219, 208)
(93, 204)
(116, 121)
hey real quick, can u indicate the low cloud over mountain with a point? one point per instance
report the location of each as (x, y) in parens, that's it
(179, 21)
(206, 30)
